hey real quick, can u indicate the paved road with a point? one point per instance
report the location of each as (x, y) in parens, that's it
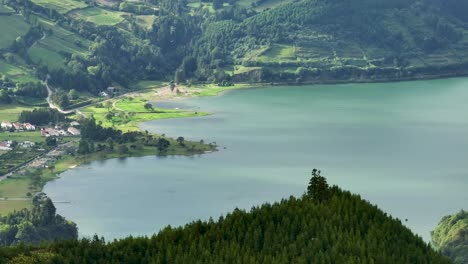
(53, 106)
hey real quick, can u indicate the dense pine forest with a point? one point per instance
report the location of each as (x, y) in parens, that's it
(91, 45)
(326, 225)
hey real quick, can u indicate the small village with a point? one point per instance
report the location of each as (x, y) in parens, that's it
(56, 131)
(21, 146)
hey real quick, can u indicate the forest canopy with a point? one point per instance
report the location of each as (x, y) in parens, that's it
(325, 225)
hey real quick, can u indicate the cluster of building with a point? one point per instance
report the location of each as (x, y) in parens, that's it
(17, 126)
(57, 132)
(8, 145)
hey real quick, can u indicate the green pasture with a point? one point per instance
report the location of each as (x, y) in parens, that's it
(11, 27)
(61, 6)
(16, 73)
(99, 16)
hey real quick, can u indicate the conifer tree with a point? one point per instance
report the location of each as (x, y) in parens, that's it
(318, 188)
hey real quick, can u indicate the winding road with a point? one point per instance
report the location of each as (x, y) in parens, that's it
(53, 106)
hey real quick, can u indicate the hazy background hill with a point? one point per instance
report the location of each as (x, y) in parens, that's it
(89, 45)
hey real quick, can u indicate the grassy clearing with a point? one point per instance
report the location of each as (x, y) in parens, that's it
(263, 6)
(99, 16)
(129, 113)
(50, 58)
(213, 90)
(278, 53)
(34, 136)
(15, 188)
(239, 69)
(16, 73)
(11, 27)
(7, 207)
(11, 112)
(146, 21)
(61, 6)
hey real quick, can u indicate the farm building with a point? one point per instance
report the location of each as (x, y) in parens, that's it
(6, 125)
(29, 127)
(73, 131)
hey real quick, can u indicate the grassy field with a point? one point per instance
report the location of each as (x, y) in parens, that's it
(11, 206)
(14, 188)
(238, 69)
(213, 90)
(61, 6)
(11, 27)
(34, 136)
(128, 113)
(99, 16)
(48, 57)
(146, 21)
(11, 112)
(16, 73)
(263, 6)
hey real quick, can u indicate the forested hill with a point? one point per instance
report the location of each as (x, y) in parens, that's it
(325, 226)
(319, 40)
(90, 45)
(451, 237)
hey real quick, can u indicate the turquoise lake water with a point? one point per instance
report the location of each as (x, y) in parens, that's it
(402, 146)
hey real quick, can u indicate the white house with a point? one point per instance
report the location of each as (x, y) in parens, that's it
(6, 125)
(29, 126)
(73, 131)
(17, 126)
(74, 123)
(27, 144)
(4, 146)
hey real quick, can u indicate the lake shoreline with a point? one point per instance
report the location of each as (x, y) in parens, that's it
(198, 91)
(380, 125)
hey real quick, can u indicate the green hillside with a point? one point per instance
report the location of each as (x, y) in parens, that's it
(348, 38)
(61, 6)
(327, 225)
(451, 237)
(99, 16)
(89, 46)
(57, 45)
(11, 27)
